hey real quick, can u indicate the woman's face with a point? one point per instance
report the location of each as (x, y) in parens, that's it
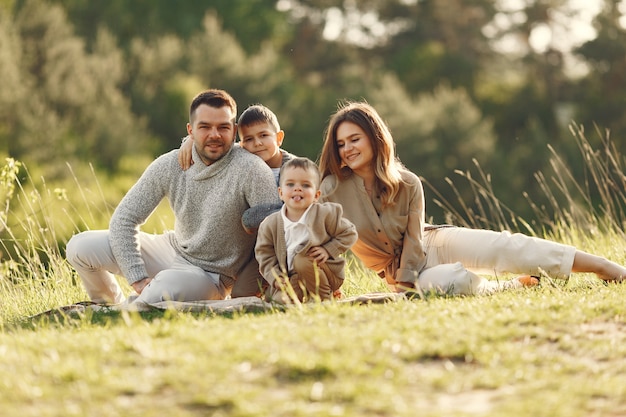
(355, 148)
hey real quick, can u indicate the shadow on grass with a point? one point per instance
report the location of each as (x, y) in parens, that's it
(103, 318)
(78, 315)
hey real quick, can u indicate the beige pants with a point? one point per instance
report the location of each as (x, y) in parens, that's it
(173, 278)
(455, 255)
(309, 282)
(493, 253)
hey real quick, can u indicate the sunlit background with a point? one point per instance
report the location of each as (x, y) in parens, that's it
(480, 87)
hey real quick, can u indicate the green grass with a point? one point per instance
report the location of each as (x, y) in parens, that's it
(551, 351)
(554, 350)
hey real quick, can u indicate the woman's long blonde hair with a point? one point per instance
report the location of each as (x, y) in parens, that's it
(387, 167)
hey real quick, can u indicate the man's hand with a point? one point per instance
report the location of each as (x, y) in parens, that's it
(139, 286)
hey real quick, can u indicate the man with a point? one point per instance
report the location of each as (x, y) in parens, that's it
(208, 254)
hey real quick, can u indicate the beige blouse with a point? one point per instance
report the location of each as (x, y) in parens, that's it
(390, 239)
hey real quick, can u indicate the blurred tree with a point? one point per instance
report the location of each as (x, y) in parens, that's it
(71, 109)
(174, 50)
(252, 21)
(130, 69)
(12, 89)
(217, 56)
(435, 133)
(427, 129)
(422, 42)
(537, 69)
(600, 95)
(524, 87)
(440, 40)
(159, 88)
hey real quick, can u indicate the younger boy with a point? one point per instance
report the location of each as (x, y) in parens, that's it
(298, 248)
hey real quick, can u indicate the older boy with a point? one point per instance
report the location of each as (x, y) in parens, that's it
(299, 247)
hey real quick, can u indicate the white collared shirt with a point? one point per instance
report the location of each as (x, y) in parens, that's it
(296, 235)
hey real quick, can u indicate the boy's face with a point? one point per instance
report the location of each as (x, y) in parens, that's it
(298, 189)
(262, 140)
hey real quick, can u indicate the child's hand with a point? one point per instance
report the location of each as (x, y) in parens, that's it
(319, 254)
(184, 153)
(280, 283)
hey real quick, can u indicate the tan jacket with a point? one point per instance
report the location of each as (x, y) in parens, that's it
(327, 228)
(390, 243)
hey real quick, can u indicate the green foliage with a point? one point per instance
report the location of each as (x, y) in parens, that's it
(601, 96)
(160, 90)
(12, 89)
(517, 354)
(64, 104)
(87, 83)
(451, 47)
(428, 128)
(91, 91)
(150, 19)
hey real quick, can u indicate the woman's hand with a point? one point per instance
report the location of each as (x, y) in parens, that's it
(184, 153)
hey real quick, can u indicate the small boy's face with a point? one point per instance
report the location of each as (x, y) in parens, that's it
(262, 140)
(298, 188)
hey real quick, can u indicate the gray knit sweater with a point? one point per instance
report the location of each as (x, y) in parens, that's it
(208, 202)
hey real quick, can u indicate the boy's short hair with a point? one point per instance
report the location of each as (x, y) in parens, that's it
(258, 113)
(302, 163)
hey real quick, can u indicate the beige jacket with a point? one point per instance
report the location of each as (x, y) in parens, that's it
(327, 228)
(390, 242)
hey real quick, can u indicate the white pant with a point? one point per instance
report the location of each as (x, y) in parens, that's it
(173, 278)
(454, 255)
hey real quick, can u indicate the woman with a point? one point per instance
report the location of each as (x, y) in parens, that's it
(385, 201)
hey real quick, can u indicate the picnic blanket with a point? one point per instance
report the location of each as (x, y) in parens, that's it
(241, 304)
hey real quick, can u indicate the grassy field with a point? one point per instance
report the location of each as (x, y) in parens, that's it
(553, 350)
(556, 350)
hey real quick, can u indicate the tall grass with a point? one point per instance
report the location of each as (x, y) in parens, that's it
(595, 203)
(35, 223)
(37, 220)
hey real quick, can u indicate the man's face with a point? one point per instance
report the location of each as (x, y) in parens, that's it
(213, 132)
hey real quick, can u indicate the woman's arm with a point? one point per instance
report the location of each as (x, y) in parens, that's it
(413, 257)
(343, 233)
